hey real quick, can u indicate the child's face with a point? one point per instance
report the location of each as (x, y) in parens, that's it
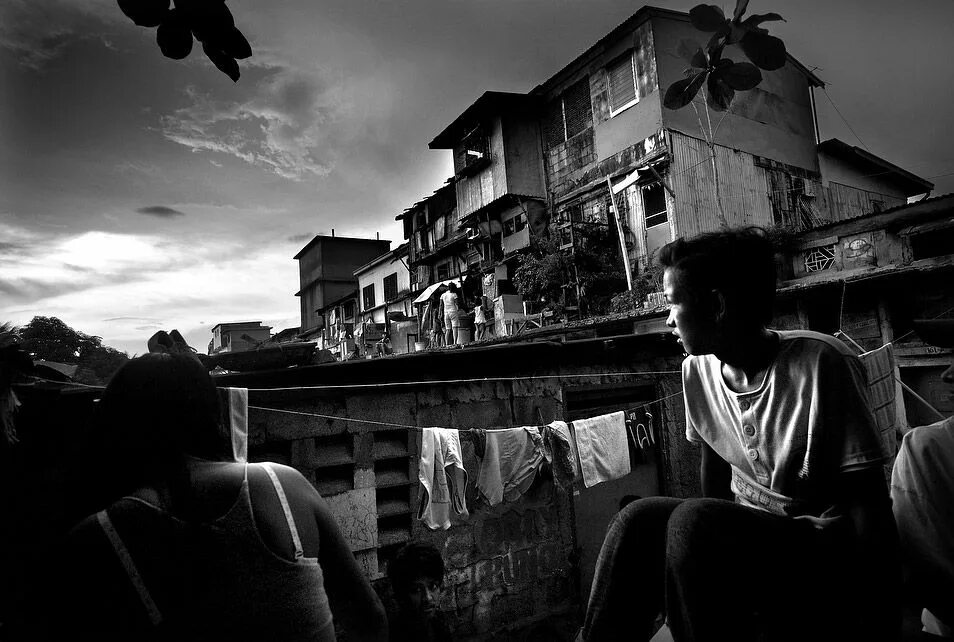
(423, 594)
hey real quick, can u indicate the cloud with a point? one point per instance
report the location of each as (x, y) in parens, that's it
(283, 126)
(298, 238)
(160, 211)
(38, 31)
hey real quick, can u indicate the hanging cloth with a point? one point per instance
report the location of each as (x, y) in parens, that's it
(442, 477)
(603, 448)
(234, 404)
(510, 463)
(560, 452)
(882, 395)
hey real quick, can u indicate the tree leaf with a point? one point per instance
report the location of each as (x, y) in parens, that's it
(234, 44)
(767, 52)
(681, 92)
(714, 47)
(740, 76)
(736, 33)
(706, 17)
(209, 20)
(225, 63)
(756, 19)
(719, 94)
(699, 59)
(174, 36)
(145, 13)
(740, 7)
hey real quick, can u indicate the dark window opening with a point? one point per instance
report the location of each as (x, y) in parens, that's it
(443, 271)
(349, 310)
(367, 295)
(390, 287)
(568, 115)
(931, 244)
(474, 151)
(514, 225)
(654, 205)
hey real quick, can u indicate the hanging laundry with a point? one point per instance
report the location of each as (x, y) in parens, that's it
(560, 451)
(234, 402)
(603, 448)
(442, 477)
(882, 395)
(510, 463)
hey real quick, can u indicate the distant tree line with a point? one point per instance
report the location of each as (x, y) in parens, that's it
(50, 339)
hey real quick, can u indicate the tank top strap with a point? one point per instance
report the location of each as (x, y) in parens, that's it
(155, 616)
(296, 540)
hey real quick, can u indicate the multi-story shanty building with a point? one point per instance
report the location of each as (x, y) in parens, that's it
(326, 268)
(238, 336)
(552, 154)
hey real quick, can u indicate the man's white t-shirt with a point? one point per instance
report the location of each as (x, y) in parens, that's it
(787, 440)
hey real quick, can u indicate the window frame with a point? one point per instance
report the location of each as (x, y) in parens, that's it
(393, 289)
(367, 301)
(631, 55)
(664, 212)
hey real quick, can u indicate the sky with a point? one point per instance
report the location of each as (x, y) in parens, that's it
(139, 193)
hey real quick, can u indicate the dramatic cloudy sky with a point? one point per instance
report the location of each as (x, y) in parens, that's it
(139, 193)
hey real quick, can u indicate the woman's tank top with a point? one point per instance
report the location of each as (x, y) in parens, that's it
(218, 579)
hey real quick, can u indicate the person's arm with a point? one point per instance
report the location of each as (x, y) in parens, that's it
(863, 497)
(716, 474)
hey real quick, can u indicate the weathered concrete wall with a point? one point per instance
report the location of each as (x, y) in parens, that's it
(773, 120)
(512, 567)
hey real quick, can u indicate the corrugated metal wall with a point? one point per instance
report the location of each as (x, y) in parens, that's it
(743, 186)
(841, 202)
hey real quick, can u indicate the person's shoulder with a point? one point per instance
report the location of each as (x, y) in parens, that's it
(697, 363)
(936, 437)
(809, 340)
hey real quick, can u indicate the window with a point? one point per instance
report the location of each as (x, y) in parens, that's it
(474, 152)
(570, 214)
(566, 237)
(516, 224)
(349, 310)
(367, 296)
(819, 258)
(440, 228)
(938, 242)
(654, 205)
(569, 114)
(443, 271)
(390, 287)
(622, 83)
(520, 222)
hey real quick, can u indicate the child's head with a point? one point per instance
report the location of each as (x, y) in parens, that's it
(416, 574)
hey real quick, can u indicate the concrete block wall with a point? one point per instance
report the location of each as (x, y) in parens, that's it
(510, 569)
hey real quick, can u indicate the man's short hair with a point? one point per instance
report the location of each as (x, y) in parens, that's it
(739, 263)
(413, 561)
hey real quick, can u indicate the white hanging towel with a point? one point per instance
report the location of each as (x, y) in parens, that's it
(442, 476)
(602, 447)
(238, 422)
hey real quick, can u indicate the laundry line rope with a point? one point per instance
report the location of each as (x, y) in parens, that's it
(470, 380)
(419, 428)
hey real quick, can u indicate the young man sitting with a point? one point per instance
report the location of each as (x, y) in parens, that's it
(795, 538)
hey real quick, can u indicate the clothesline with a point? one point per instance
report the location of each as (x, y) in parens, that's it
(471, 380)
(410, 427)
